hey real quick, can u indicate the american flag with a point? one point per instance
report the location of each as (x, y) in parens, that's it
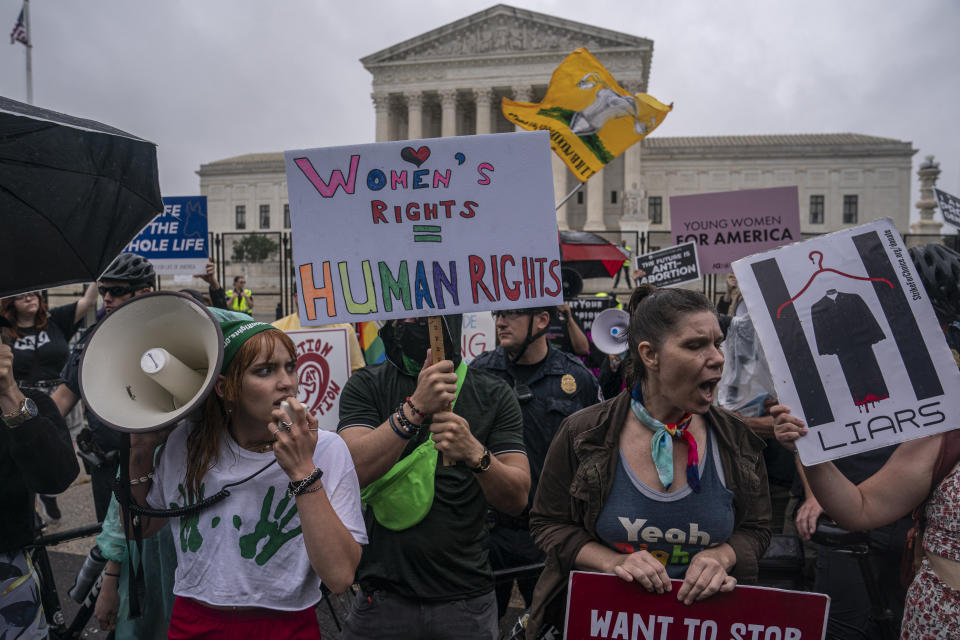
(19, 33)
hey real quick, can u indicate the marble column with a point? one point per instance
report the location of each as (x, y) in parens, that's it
(633, 217)
(448, 119)
(484, 98)
(928, 173)
(595, 199)
(381, 106)
(522, 93)
(414, 114)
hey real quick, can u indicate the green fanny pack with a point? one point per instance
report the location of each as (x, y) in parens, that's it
(402, 497)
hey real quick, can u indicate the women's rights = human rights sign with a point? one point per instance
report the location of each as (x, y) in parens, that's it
(424, 227)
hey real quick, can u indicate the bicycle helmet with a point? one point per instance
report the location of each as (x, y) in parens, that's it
(939, 270)
(129, 267)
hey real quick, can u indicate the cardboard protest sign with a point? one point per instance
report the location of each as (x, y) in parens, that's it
(734, 224)
(323, 366)
(440, 226)
(671, 266)
(175, 242)
(949, 207)
(852, 341)
(589, 307)
(478, 334)
(602, 606)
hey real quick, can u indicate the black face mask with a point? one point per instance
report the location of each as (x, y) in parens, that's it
(414, 340)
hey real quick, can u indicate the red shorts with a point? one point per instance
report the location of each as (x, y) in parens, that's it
(191, 619)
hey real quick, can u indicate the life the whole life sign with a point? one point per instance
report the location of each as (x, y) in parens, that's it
(421, 228)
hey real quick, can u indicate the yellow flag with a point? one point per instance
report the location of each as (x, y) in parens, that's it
(591, 118)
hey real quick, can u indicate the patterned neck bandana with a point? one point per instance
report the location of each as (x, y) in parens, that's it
(662, 445)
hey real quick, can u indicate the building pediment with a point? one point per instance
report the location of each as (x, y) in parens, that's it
(503, 30)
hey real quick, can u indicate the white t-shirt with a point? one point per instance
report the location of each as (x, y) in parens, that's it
(248, 549)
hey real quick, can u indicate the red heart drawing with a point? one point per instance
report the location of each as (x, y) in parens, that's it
(417, 157)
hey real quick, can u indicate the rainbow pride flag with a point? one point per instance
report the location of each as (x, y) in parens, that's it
(370, 342)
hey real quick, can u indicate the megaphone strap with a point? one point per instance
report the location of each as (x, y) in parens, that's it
(191, 509)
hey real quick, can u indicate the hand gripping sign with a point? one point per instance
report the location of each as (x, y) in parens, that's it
(601, 606)
(852, 341)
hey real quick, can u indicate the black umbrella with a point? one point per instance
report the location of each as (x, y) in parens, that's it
(73, 193)
(590, 255)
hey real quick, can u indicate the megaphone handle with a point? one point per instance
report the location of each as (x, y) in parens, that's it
(435, 323)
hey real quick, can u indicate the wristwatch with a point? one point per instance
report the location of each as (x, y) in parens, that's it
(28, 409)
(484, 463)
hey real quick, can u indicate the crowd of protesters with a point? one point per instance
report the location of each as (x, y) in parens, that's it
(441, 474)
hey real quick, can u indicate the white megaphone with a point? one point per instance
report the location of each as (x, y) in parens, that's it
(609, 331)
(151, 362)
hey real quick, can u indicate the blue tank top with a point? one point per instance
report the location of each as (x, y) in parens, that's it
(672, 527)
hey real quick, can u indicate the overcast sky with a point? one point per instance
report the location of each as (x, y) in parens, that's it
(211, 79)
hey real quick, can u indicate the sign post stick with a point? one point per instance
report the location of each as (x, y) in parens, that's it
(435, 323)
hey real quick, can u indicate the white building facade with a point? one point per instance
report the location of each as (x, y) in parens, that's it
(449, 81)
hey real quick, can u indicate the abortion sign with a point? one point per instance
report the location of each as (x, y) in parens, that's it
(733, 224)
(440, 226)
(175, 242)
(323, 366)
(671, 266)
(852, 341)
(602, 606)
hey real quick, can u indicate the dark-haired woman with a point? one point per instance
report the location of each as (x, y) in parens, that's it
(657, 483)
(251, 565)
(40, 336)
(40, 340)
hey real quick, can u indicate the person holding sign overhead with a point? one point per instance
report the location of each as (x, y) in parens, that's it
(657, 483)
(921, 475)
(425, 572)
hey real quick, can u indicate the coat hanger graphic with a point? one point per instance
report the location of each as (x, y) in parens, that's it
(821, 269)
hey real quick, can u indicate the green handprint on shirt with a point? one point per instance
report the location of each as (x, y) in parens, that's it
(273, 531)
(190, 538)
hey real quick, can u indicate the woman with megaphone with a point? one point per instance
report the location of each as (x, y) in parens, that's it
(251, 565)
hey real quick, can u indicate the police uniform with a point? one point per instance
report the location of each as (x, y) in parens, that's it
(548, 391)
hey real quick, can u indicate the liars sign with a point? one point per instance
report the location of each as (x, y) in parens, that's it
(421, 228)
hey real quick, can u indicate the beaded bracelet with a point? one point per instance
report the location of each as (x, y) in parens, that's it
(409, 402)
(294, 489)
(393, 425)
(405, 423)
(142, 479)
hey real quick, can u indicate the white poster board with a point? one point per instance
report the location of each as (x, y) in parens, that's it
(427, 227)
(852, 341)
(323, 366)
(479, 334)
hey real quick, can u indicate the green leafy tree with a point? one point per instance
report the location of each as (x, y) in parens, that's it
(253, 248)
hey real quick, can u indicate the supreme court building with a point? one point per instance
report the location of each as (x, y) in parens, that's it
(449, 81)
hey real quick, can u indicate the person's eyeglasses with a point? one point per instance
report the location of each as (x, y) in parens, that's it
(25, 296)
(509, 314)
(116, 292)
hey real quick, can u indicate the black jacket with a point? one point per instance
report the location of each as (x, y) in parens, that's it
(35, 457)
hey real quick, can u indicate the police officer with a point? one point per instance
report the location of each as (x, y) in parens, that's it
(128, 276)
(550, 385)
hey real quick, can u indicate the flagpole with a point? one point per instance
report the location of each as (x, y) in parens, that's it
(26, 26)
(570, 195)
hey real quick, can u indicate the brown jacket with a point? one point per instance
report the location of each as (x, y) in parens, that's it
(576, 481)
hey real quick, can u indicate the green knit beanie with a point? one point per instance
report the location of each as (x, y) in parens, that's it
(237, 328)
